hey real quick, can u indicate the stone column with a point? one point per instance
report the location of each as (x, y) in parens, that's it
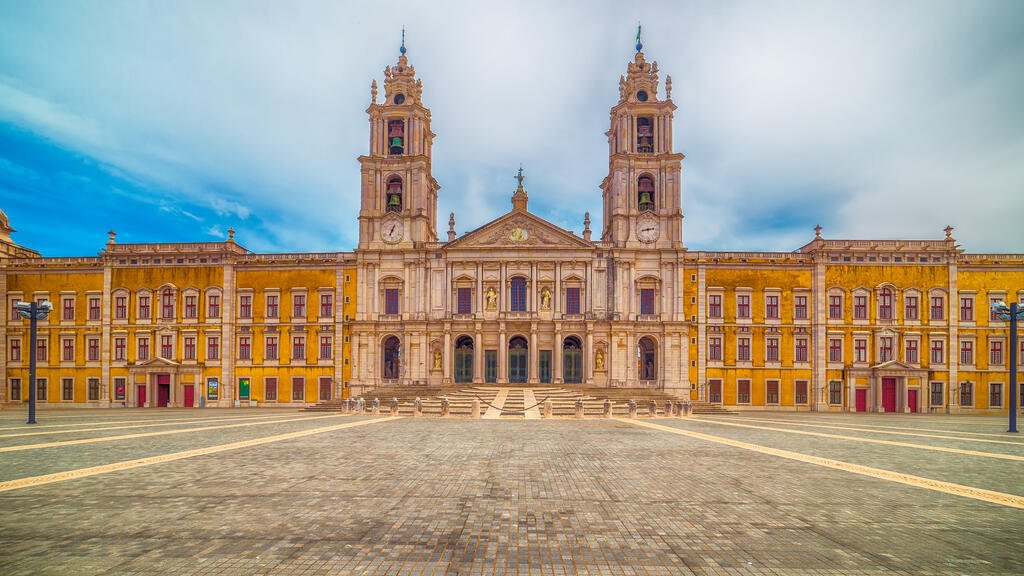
(104, 340)
(227, 338)
(556, 355)
(478, 357)
(502, 355)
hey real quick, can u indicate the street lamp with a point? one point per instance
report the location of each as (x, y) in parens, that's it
(34, 312)
(1011, 313)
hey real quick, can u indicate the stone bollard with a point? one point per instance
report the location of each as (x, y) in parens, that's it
(548, 408)
(607, 408)
(417, 407)
(445, 406)
(375, 406)
(632, 408)
(685, 409)
(476, 408)
(345, 408)
(394, 406)
(579, 407)
(668, 409)
(652, 408)
(361, 405)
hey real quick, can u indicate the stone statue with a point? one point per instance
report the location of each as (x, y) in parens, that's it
(545, 299)
(599, 361)
(492, 299)
(437, 359)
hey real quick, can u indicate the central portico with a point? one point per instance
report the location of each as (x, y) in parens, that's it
(520, 300)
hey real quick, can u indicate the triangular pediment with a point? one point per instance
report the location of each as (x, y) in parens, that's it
(158, 361)
(895, 365)
(519, 229)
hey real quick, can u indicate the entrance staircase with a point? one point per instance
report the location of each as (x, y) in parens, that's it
(507, 402)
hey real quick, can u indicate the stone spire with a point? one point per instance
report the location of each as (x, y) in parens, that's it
(586, 226)
(451, 226)
(519, 199)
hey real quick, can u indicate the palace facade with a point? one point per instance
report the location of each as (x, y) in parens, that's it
(836, 325)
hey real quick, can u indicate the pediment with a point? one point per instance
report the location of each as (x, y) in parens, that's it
(895, 365)
(158, 361)
(539, 233)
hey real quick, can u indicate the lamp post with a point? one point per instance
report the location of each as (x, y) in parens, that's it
(1011, 313)
(34, 312)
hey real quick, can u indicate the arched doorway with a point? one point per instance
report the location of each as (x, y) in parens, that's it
(392, 358)
(647, 359)
(464, 359)
(518, 360)
(572, 360)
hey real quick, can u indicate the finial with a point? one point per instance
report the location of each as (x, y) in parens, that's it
(949, 232)
(817, 231)
(451, 226)
(519, 198)
(520, 177)
(639, 44)
(586, 226)
(373, 92)
(402, 49)
(231, 234)
(111, 235)
(668, 87)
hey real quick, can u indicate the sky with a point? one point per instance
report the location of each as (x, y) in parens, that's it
(173, 121)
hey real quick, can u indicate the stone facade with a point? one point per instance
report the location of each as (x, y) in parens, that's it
(840, 325)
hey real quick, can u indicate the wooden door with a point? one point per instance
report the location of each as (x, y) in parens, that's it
(141, 396)
(189, 397)
(715, 391)
(325, 388)
(912, 400)
(889, 394)
(862, 399)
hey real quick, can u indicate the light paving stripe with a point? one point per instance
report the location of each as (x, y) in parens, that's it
(164, 423)
(871, 440)
(872, 431)
(1000, 498)
(530, 400)
(151, 434)
(1006, 435)
(198, 418)
(494, 411)
(129, 464)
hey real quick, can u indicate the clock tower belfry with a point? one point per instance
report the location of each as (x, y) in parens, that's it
(399, 194)
(642, 202)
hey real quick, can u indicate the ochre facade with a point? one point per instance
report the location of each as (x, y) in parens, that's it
(837, 325)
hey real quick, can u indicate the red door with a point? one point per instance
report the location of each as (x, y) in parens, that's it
(912, 400)
(889, 394)
(163, 390)
(325, 389)
(715, 393)
(141, 396)
(190, 396)
(862, 399)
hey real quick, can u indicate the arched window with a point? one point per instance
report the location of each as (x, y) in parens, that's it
(518, 359)
(393, 197)
(644, 135)
(572, 360)
(396, 137)
(517, 295)
(647, 359)
(464, 359)
(392, 358)
(645, 193)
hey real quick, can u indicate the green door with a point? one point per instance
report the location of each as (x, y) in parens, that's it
(572, 361)
(464, 359)
(243, 388)
(518, 360)
(491, 366)
(544, 366)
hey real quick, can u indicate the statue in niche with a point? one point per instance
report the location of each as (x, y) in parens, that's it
(492, 299)
(599, 361)
(545, 299)
(437, 359)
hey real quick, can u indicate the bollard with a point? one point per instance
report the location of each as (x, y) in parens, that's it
(417, 407)
(652, 408)
(445, 406)
(668, 409)
(361, 404)
(579, 407)
(376, 406)
(345, 408)
(632, 408)
(686, 409)
(548, 408)
(607, 408)
(394, 406)
(476, 408)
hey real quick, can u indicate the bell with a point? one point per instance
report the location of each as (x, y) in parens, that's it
(394, 200)
(645, 198)
(396, 142)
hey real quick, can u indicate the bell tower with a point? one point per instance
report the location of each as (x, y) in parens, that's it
(642, 203)
(399, 194)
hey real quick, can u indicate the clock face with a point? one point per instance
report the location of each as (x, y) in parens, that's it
(399, 98)
(647, 230)
(518, 234)
(641, 96)
(391, 231)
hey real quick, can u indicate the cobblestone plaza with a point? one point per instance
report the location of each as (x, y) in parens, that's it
(259, 491)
